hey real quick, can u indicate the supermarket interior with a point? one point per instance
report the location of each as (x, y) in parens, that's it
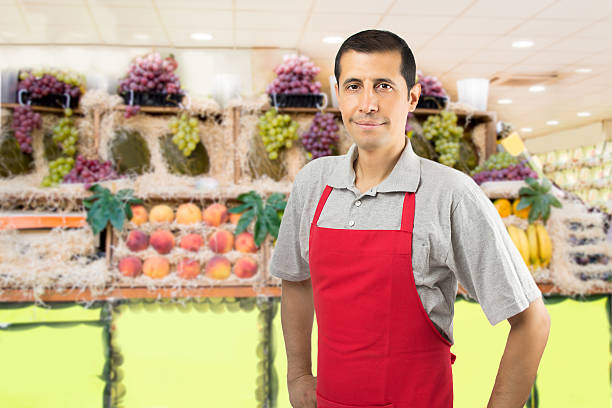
(148, 150)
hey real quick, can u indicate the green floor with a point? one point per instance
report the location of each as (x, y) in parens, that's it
(197, 355)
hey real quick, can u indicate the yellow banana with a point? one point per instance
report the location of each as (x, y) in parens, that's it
(520, 240)
(532, 239)
(544, 245)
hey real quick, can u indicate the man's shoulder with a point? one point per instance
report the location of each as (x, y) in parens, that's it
(316, 172)
(446, 178)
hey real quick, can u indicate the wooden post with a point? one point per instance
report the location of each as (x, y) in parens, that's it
(96, 118)
(491, 139)
(235, 135)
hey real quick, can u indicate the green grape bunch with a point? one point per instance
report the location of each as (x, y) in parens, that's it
(65, 134)
(497, 161)
(442, 129)
(277, 131)
(58, 168)
(185, 133)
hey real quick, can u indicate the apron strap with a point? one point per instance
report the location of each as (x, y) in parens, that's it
(322, 201)
(408, 212)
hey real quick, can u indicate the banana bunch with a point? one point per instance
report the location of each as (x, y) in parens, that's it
(534, 244)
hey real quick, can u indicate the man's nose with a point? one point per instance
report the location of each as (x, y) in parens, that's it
(369, 101)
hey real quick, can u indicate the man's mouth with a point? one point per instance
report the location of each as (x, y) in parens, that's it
(368, 125)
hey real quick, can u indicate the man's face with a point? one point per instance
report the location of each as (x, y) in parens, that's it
(373, 98)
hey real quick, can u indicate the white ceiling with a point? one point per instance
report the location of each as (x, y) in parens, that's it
(451, 39)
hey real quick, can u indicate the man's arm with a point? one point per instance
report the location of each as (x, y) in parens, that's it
(297, 312)
(519, 364)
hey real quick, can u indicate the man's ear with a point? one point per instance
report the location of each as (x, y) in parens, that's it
(413, 96)
(336, 89)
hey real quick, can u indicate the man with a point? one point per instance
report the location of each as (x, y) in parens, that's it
(376, 241)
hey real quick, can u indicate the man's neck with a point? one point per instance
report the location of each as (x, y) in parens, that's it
(371, 168)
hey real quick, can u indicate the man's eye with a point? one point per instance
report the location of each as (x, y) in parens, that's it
(387, 85)
(352, 85)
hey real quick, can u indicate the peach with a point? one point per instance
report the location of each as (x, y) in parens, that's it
(137, 241)
(245, 267)
(245, 242)
(130, 266)
(156, 267)
(234, 218)
(162, 241)
(139, 214)
(192, 242)
(221, 241)
(218, 267)
(215, 214)
(161, 213)
(188, 214)
(188, 268)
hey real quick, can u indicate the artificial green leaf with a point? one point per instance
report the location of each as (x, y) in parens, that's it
(87, 204)
(240, 208)
(117, 216)
(127, 209)
(272, 221)
(525, 202)
(556, 202)
(532, 183)
(247, 197)
(527, 191)
(546, 185)
(245, 220)
(546, 213)
(98, 222)
(260, 231)
(260, 206)
(97, 188)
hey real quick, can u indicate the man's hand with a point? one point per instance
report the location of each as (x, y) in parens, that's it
(517, 370)
(302, 392)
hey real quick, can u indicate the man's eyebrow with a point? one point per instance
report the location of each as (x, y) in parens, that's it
(377, 80)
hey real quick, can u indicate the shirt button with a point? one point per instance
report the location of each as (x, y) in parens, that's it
(357, 203)
(351, 223)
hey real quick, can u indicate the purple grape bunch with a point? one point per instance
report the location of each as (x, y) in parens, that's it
(24, 122)
(295, 75)
(131, 110)
(514, 172)
(430, 86)
(90, 171)
(321, 135)
(150, 73)
(40, 83)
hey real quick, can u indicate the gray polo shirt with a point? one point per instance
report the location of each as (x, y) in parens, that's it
(458, 234)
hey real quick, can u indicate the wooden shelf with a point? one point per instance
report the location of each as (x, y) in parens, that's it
(37, 108)
(153, 109)
(12, 295)
(476, 114)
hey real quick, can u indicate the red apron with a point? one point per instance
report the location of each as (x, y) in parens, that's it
(377, 346)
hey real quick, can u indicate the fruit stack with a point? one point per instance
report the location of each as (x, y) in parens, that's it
(189, 244)
(433, 95)
(502, 167)
(295, 84)
(49, 87)
(534, 243)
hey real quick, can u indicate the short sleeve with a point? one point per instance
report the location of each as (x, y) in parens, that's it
(287, 261)
(485, 260)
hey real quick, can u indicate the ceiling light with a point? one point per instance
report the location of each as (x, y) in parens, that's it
(141, 36)
(201, 36)
(332, 39)
(584, 70)
(552, 122)
(584, 114)
(522, 44)
(526, 130)
(504, 101)
(537, 88)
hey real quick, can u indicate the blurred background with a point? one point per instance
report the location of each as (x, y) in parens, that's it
(200, 102)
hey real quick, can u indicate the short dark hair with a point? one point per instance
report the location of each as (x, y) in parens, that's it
(379, 41)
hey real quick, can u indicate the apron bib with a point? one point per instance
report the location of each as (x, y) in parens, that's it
(377, 346)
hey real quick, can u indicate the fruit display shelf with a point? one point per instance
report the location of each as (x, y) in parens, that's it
(37, 108)
(580, 250)
(172, 243)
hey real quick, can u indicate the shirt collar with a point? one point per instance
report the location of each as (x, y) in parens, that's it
(405, 175)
